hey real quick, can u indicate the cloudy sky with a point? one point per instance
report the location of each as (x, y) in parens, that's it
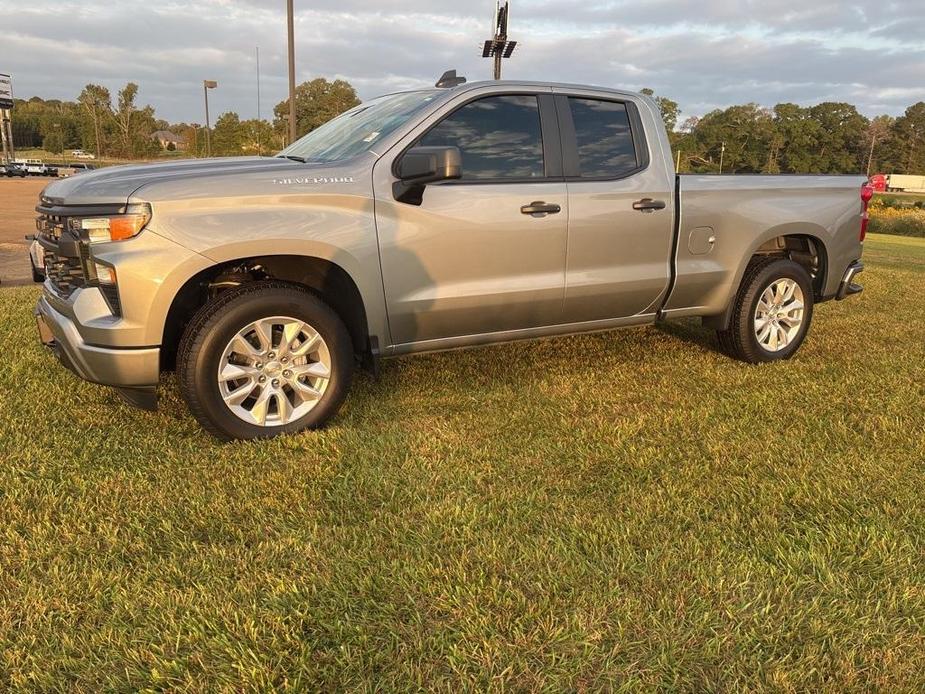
(703, 54)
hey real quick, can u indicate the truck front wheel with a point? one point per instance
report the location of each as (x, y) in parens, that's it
(771, 313)
(265, 359)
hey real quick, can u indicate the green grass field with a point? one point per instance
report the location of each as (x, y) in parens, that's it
(617, 511)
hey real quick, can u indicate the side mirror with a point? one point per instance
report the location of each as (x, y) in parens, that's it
(422, 165)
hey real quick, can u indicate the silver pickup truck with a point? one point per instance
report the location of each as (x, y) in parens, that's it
(420, 221)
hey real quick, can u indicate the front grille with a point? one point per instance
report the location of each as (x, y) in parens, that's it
(66, 272)
(51, 227)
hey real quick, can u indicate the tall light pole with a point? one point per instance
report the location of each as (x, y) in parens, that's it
(257, 52)
(292, 123)
(206, 86)
(722, 155)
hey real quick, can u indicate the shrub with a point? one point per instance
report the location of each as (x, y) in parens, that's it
(903, 222)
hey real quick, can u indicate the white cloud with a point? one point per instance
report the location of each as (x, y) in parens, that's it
(708, 55)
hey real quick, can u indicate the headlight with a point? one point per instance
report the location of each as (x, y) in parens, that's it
(117, 227)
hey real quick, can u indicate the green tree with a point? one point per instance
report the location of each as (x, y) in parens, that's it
(316, 103)
(905, 150)
(878, 136)
(133, 125)
(839, 146)
(739, 136)
(228, 136)
(668, 108)
(259, 137)
(97, 104)
(795, 135)
(122, 116)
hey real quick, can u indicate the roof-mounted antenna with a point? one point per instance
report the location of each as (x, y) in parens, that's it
(450, 79)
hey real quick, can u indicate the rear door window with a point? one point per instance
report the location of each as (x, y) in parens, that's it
(604, 138)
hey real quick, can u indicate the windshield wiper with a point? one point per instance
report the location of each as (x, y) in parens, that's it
(301, 160)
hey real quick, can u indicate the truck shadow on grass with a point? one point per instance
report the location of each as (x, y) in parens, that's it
(690, 330)
(447, 383)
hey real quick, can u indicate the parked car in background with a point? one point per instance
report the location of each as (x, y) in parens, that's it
(10, 170)
(423, 221)
(36, 167)
(78, 167)
(80, 154)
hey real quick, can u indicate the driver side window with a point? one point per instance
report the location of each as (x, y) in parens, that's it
(500, 138)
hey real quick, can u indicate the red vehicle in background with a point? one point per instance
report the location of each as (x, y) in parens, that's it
(878, 183)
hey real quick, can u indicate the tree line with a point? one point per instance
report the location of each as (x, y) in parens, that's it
(118, 128)
(830, 137)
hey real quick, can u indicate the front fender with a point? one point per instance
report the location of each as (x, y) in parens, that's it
(334, 227)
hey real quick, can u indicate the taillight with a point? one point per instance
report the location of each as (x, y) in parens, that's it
(867, 194)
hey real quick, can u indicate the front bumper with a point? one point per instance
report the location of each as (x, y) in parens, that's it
(848, 287)
(133, 372)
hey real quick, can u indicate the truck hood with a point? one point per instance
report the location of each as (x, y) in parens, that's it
(116, 184)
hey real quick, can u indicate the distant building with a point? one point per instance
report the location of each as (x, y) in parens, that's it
(165, 139)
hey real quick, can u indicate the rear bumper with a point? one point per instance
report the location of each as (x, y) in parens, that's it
(848, 287)
(133, 370)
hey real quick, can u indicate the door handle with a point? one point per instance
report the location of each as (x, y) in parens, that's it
(648, 205)
(538, 208)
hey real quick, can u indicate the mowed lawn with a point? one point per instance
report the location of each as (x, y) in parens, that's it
(624, 510)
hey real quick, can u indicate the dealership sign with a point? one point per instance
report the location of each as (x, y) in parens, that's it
(6, 91)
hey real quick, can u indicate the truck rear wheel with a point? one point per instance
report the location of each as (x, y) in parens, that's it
(265, 359)
(771, 313)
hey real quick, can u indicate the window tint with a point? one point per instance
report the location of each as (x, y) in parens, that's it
(605, 141)
(499, 138)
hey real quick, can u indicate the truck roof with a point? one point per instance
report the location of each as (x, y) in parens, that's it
(541, 85)
(518, 84)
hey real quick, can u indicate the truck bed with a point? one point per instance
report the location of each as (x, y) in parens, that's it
(723, 220)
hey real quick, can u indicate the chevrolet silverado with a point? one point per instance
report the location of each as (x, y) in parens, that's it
(420, 221)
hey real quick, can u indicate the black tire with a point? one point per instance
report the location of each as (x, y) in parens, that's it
(216, 323)
(740, 340)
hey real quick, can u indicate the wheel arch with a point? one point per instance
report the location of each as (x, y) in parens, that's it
(324, 277)
(801, 242)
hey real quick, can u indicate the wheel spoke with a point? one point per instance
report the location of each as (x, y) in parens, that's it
(779, 288)
(305, 392)
(264, 331)
(790, 287)
(261, 408)
(765, 333)
(283, 407)
(772, 341)
(236, 372)
(307, 347)
(783, 337)
(316, 370)
(291, 331)
(239, 395)
(242, 346)
(767, 298)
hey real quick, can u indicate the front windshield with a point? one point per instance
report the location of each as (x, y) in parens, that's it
(358, 130)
